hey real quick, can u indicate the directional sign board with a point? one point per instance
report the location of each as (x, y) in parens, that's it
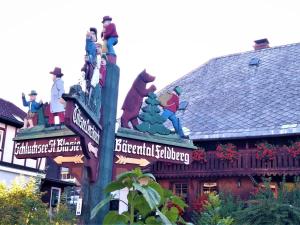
(80, 120)
(136, 149)
(46, 147)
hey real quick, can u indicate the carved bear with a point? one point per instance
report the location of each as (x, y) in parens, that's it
(134, 99)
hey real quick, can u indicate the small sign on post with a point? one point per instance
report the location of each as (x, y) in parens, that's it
(78, 207)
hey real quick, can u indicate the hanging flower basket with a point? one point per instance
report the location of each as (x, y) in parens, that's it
(265, 151)
(199, 155)
(227, 152)
(294, 149)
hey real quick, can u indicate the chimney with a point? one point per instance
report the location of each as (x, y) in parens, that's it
(261, 44)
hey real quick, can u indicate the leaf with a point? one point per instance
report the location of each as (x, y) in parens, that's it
(156, 186)
(142, 206)
(172, 214)
(109, 217)
(127, 175)
(150, 175)
(152, 220)
(168, 193)
(138, 223)
(97, 208)
(138, 172)
(178, 201)
(114, 218)
(164, 219)
(114, 186)
(150, 195)
(154, 195)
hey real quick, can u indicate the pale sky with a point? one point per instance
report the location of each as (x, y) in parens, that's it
(168, 38)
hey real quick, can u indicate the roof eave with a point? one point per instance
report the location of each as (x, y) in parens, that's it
(11, 122)
(245, 134)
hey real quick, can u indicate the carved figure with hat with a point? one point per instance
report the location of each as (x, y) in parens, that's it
(33, 107)
(57, 103)
(109, 35)
(170, 103)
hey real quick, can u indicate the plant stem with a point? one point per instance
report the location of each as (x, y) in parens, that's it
(132, 210)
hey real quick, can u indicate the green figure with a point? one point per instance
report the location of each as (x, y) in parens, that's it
(152, 121)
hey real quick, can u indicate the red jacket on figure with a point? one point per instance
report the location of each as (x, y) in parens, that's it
(110, 31)
(173, 103)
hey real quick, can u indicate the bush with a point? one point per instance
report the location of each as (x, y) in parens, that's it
(267, 209)
(21, 204)
(212, 213)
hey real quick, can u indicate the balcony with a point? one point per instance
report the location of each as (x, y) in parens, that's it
(245, 165)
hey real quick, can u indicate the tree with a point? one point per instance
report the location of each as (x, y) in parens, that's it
(148, 202)
(152, 121)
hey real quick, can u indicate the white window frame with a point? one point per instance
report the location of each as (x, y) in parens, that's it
(59, 194)
(2, 134)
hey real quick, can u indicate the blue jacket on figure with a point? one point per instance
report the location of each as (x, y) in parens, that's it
(91, 50)
(33, 105)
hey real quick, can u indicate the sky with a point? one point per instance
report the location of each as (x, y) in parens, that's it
(168, 38)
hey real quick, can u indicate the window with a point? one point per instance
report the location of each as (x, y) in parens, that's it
(254, 62)
(1, 139)
(65, 174)
(181, 190)
(210, 188)
(55, 197)
(2, 135)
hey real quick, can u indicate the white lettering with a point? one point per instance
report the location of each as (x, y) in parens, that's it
(153, 150)
(85, 125)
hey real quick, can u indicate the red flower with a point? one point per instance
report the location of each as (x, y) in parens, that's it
(294, 150)
(265, 151)
(199, 155)
(227, 152)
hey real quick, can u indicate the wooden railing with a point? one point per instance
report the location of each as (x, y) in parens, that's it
(246, 164)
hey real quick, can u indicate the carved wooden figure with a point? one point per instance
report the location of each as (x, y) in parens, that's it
(33, 108)
(134, 99)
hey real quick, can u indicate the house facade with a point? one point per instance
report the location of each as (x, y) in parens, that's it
(247, 101)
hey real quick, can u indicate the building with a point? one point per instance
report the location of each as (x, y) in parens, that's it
(11, 119)
(244, 99)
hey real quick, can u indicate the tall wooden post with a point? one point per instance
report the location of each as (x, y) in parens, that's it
(93, 193)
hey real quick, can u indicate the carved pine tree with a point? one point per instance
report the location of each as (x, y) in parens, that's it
(152, 121)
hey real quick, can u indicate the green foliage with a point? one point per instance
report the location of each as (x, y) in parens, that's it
(21, 204)
(212, 213)
(267, 209)
(152, 121)
(230, 204)
(264, 207)
(148, 202)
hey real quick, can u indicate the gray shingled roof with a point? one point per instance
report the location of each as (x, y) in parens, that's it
(10, 113)
(230, 99)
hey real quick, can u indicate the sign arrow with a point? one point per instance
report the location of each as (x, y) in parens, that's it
(124, 160)
(63, 159)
